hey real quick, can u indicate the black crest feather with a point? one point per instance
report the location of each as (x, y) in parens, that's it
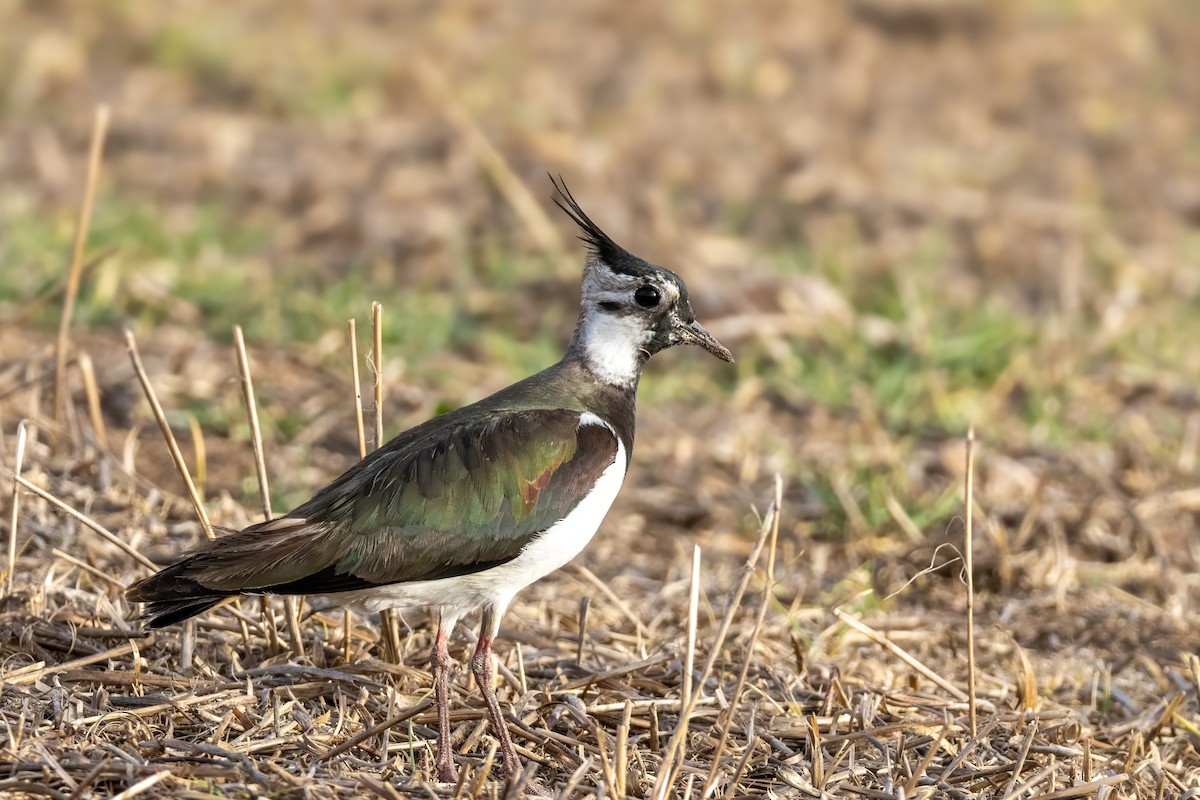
(616, 257)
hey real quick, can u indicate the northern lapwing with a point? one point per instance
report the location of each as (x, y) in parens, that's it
(462, 512)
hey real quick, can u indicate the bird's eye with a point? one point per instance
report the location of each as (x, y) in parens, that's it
(647, 296)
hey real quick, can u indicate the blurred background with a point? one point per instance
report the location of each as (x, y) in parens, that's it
(904, 216)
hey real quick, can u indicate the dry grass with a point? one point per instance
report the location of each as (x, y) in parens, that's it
(787, 698)
(905, 215)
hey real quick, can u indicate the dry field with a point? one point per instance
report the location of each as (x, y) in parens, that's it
(906, 217)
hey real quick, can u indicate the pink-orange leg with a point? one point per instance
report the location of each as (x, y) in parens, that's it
(441, 691)
(481, 666)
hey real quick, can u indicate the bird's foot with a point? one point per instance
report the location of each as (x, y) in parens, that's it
(513, 774)
(536, 790)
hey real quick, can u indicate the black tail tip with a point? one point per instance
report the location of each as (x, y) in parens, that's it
(161, 613)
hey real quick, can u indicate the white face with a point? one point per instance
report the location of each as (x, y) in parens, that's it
(612, 346)
(619, 321)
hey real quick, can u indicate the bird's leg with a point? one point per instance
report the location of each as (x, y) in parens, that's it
(481, 666)
(441, 691)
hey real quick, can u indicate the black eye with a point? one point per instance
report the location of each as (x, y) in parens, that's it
(647, 296)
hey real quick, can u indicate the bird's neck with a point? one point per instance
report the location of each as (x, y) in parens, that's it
(611, 346)
(576, 385)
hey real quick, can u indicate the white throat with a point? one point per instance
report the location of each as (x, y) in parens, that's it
(610, 345)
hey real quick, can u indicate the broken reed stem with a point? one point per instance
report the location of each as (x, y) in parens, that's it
(141, 786)
(589, 576)
(516, 788)
(390, 632)
(352, 330)
(21, 677)
(901, 654)
(583, 769)
(689, 659)
(260, 460)
(622, 754)
(743, 675)
(1019, 765)
(967, 749)
(200, 452)
(263, 488)
(15, 516)
(585, 603)
(292, 605)
(1035, 780)
(88, 568)
(88, 521)
(911, 786)
(669, 766)
(968, 549)
(358, 412)
(485, 769)
(172, 445)
(95, 152)
(377, 359)
(1090, 788)
(606, 766)
(92, 390)
(751, 740)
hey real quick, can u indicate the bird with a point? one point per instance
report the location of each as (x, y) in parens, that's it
(462, 512)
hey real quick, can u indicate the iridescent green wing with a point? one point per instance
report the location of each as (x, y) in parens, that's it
(473, 499)
(447, 499)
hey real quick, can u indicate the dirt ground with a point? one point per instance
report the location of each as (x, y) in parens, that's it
(906, 217)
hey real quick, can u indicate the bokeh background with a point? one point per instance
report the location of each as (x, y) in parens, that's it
(906, 217)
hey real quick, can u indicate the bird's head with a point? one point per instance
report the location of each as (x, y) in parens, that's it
(630, 309)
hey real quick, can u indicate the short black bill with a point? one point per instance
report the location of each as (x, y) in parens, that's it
(694, 333)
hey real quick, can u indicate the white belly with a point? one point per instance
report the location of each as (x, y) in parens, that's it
(497, 586)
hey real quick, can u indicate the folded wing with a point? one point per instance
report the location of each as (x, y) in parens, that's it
(448, 501)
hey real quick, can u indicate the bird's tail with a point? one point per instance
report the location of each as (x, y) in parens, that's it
(170, 597)
(286, 555)
(167, 612)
